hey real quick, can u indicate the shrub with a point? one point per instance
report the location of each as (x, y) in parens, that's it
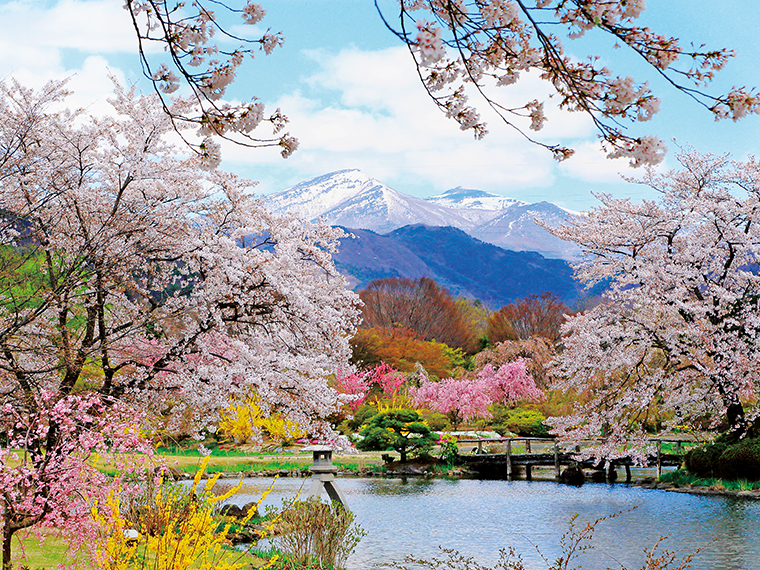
(313, 532)
(362, 415)
(435, 421)
(703, 461)
(741, 461)
(401, 430)
(520, 421)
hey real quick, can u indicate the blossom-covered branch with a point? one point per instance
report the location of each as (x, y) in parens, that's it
(193, 57)
(489, 44)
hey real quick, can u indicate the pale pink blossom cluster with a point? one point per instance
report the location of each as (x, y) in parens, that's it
(168, 82)
(500, 13)
(253, 13)
(186, 30)
(467, 117)
(737, 104)
(647, 150)
(537, 117)
(428, 42)
(495, 40)
(677, 333)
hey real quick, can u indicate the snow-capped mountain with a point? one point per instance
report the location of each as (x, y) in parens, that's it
(514, 228)
(351, 199)
(473, 199)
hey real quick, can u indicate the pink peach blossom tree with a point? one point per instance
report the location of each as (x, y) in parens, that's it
(468, 398)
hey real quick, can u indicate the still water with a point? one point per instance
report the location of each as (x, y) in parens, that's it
(478, 518)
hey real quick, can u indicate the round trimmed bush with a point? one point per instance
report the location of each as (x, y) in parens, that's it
(704, 461)
(741, 461)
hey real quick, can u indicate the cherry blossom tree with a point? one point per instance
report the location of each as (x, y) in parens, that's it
(133, 277)
(677, 333)
(459, 46)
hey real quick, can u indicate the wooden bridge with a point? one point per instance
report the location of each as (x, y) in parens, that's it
(539, 452)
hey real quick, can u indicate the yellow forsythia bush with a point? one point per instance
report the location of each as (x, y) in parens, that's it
(177, 537)
(242, 421)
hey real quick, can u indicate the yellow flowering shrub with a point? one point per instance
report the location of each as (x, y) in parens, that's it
(183, 531)
(242, 421)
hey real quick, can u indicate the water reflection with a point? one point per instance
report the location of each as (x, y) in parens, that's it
(478, 518)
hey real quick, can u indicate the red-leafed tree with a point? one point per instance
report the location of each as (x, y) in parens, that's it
(420, 305)
(403, 350)
(534, 316)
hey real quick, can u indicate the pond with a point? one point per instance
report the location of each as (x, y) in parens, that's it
(478, 518)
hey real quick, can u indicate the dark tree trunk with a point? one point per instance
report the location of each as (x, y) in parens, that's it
(8, 531)
(737, 421)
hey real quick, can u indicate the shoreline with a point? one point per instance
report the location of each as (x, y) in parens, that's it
(414, 472)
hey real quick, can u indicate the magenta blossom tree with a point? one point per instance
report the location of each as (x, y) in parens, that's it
(468, 398)
(383, 380)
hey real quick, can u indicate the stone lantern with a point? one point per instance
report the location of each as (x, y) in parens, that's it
(323, 474)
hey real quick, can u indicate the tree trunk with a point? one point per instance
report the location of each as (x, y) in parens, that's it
(737, 421)
(8, 531)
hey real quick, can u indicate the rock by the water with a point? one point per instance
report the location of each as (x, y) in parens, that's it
(237, 511)
(572, 475)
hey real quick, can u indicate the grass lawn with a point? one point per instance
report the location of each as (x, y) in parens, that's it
(54, 550)
(233, 461)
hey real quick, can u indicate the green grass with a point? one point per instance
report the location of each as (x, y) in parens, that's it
(285, 562)
(47, 555)
(54, 551)
(683, 478)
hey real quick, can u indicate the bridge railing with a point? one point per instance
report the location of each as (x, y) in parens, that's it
(509, 447)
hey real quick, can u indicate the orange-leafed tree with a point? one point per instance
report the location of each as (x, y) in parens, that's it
(420, 305)
(403, 349)
(534, 316)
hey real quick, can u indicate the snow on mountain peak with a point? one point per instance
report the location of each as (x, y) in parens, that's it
(474, 199)
(351, 199)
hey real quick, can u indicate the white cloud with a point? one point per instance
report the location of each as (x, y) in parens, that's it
(589, 163)
(379, 119)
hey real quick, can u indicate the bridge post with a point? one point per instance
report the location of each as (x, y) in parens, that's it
(556, 461)
(527, 446)
(659, 458)
(509, 459)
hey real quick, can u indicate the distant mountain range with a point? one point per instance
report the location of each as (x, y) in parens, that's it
(464, 265)
(350, 198)
(476, 244)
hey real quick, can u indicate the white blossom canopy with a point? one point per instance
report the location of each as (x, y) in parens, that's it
(130, 270)
(677, 333)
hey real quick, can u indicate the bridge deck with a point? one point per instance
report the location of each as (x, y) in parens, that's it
(504, 465)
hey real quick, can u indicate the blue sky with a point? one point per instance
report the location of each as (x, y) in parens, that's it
(354, 100)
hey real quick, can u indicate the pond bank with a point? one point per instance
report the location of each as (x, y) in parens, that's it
(651, 483)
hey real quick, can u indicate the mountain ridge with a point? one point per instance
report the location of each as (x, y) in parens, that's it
(350, 198)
